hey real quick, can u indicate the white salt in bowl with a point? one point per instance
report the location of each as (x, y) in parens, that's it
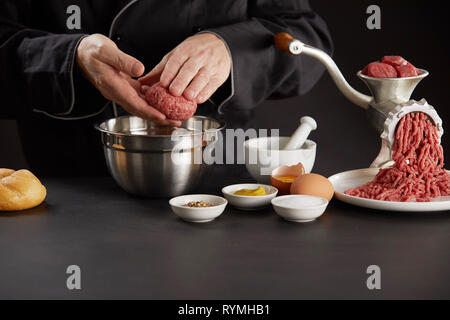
(300, 208)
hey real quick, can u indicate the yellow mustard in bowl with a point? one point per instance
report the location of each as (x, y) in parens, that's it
(260, 191)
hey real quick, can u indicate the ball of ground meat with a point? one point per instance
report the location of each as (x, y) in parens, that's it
(175, 108)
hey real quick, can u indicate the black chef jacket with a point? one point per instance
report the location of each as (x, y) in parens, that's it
(55, 107)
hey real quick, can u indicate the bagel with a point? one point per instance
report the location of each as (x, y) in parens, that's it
(20, 190)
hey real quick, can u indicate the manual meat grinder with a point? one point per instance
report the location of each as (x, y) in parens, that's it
(389, 103)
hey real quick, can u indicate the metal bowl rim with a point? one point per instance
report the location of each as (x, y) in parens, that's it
(423, 73)
(222, 125)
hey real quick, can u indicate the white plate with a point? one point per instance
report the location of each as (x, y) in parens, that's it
(352, 179)
(249, 202)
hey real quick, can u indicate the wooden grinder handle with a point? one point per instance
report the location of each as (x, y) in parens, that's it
(282, 41)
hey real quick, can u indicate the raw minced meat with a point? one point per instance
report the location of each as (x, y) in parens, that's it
(175, 108)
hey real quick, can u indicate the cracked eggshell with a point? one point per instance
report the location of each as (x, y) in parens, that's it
(284, 187)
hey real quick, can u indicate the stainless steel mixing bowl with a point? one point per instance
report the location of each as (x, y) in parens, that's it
(149, 160)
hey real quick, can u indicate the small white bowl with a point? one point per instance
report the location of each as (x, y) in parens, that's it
(306, 209)
(249, 202)
(198, 215)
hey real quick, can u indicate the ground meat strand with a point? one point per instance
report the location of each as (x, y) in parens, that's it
(418, 173)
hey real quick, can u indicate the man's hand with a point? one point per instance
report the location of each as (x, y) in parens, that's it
(196, 68)
(111, 71)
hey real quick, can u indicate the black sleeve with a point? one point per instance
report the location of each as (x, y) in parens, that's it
(37, 67)
(259, 70)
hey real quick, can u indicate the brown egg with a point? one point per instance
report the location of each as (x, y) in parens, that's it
(313, 185)
(282, 177)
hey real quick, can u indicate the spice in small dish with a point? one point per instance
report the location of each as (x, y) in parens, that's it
(199, 204)
(260, 191)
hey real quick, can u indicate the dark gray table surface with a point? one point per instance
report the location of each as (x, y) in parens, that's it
(130, 247)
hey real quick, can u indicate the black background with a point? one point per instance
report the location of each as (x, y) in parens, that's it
(415, 29)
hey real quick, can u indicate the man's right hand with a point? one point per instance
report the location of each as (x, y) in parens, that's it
(111, 71)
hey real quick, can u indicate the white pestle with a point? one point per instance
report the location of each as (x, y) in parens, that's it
(307, 124)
